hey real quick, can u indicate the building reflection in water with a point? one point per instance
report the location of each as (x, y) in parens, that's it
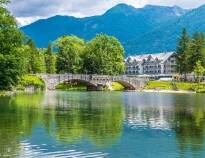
(182, 113)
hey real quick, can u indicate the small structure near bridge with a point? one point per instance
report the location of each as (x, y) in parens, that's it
(93, 82)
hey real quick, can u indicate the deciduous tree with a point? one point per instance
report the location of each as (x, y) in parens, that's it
(199, 70)
(50, 60)
(10, 40)
(70, 49)
(104, 55)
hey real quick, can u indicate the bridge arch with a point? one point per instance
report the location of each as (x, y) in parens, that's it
(89, 85)
(126, 85)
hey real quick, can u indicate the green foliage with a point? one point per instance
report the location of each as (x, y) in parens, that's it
(163, 85)
(10, 58)
(183, 49)
(104, 55)
(35, 58)
(70, 49)
(159, 85)
(189, 52)
(50, 61)
(185, 86)
(197, 50)
(199, 70)
(72, 86)
(31, 80)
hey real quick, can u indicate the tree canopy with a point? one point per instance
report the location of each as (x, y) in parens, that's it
(183, 49)
(190, 52)
(199, 70)
(10, 40)
(69, 49)
(104, 55)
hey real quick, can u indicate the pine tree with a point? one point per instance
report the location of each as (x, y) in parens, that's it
(183, 50)
(197, 50)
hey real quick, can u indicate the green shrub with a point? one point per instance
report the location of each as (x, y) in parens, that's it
(31, 80)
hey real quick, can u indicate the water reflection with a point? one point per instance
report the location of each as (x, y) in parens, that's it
(97, 118)
(16, 122)
(189, 124)
(104, 121)
(182, 113)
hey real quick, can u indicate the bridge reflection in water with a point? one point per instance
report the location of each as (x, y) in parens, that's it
(93, 82)
(101, 124)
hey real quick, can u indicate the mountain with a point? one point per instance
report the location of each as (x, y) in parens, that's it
(130, 25)
(165, 37)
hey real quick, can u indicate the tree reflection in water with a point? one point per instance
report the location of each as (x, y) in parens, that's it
(72, 118)
(17, 117)
(189, 123)
(95, 117)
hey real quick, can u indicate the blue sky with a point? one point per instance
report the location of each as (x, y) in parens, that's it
(27, 11)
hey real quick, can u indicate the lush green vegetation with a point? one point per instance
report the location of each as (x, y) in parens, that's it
(163, 85)
(72, 86)
(117, 86)
(191, 54)
(159, 85)
(102, 55)
(10, 42)
(68, 54)
(31, 81)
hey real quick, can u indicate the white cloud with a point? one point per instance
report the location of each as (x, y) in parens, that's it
(28, 11)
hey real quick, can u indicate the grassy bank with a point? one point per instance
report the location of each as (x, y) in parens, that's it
(117, 86)
(187, 86)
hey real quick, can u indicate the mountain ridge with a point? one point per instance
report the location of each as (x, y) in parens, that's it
(123, 21)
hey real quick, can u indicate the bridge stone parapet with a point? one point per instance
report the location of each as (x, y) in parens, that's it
(94, 82)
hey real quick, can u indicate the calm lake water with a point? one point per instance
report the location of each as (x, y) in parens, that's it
(102, 124)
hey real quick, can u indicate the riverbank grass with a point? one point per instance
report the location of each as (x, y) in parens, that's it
(185, 86)
(117, 86)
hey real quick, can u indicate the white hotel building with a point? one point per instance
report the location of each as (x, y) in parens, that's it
(151, 64)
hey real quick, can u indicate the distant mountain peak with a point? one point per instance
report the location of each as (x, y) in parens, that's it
(149, 29)
(176, 10)
(122, 8)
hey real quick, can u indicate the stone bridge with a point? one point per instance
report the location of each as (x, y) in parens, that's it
(93, 82)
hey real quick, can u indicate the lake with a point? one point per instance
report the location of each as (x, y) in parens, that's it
(102, 124)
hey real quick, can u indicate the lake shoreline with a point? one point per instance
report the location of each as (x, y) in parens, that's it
(168, 91)
(10, 93)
